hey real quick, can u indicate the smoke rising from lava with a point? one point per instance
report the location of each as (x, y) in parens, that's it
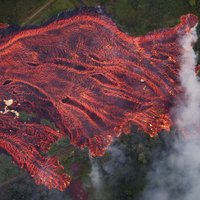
(90, 79)
(96, 179)
(177, 174)
(188, 115)
(117, 166)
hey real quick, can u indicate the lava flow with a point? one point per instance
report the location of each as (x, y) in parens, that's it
(89, 78)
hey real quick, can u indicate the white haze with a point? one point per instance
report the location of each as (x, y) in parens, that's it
(177, 175)
(96, 179)
(117, 161)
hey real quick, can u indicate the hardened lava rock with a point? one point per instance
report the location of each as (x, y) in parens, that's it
(87, 77)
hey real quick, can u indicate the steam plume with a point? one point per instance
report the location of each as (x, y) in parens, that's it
(177, 175)
(118, 163)
(96, 179)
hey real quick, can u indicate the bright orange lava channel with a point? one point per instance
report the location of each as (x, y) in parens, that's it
(89, 78)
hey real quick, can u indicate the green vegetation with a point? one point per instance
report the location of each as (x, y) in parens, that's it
(28, 117)
(134, 16)
(53, 10)
(16, 11)
(48, 123)
(8, 169)
(192, 2)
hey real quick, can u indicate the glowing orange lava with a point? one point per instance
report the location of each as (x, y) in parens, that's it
(89, 78)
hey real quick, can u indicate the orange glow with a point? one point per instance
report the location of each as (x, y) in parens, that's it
(89, 78)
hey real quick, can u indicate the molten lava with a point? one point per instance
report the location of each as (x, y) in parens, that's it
(89, 78)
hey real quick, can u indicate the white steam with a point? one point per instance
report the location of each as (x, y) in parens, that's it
(96, 179)
(117, 162)
(177, 175)
(188, 114)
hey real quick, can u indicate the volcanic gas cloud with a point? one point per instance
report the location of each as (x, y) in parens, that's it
(89, 78)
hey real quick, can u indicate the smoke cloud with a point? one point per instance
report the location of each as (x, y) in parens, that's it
(177, 175)
(117, 166)
(96, 179)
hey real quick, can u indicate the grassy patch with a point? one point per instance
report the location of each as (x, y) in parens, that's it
(54, 9)
(14, 11)
(7, 168)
